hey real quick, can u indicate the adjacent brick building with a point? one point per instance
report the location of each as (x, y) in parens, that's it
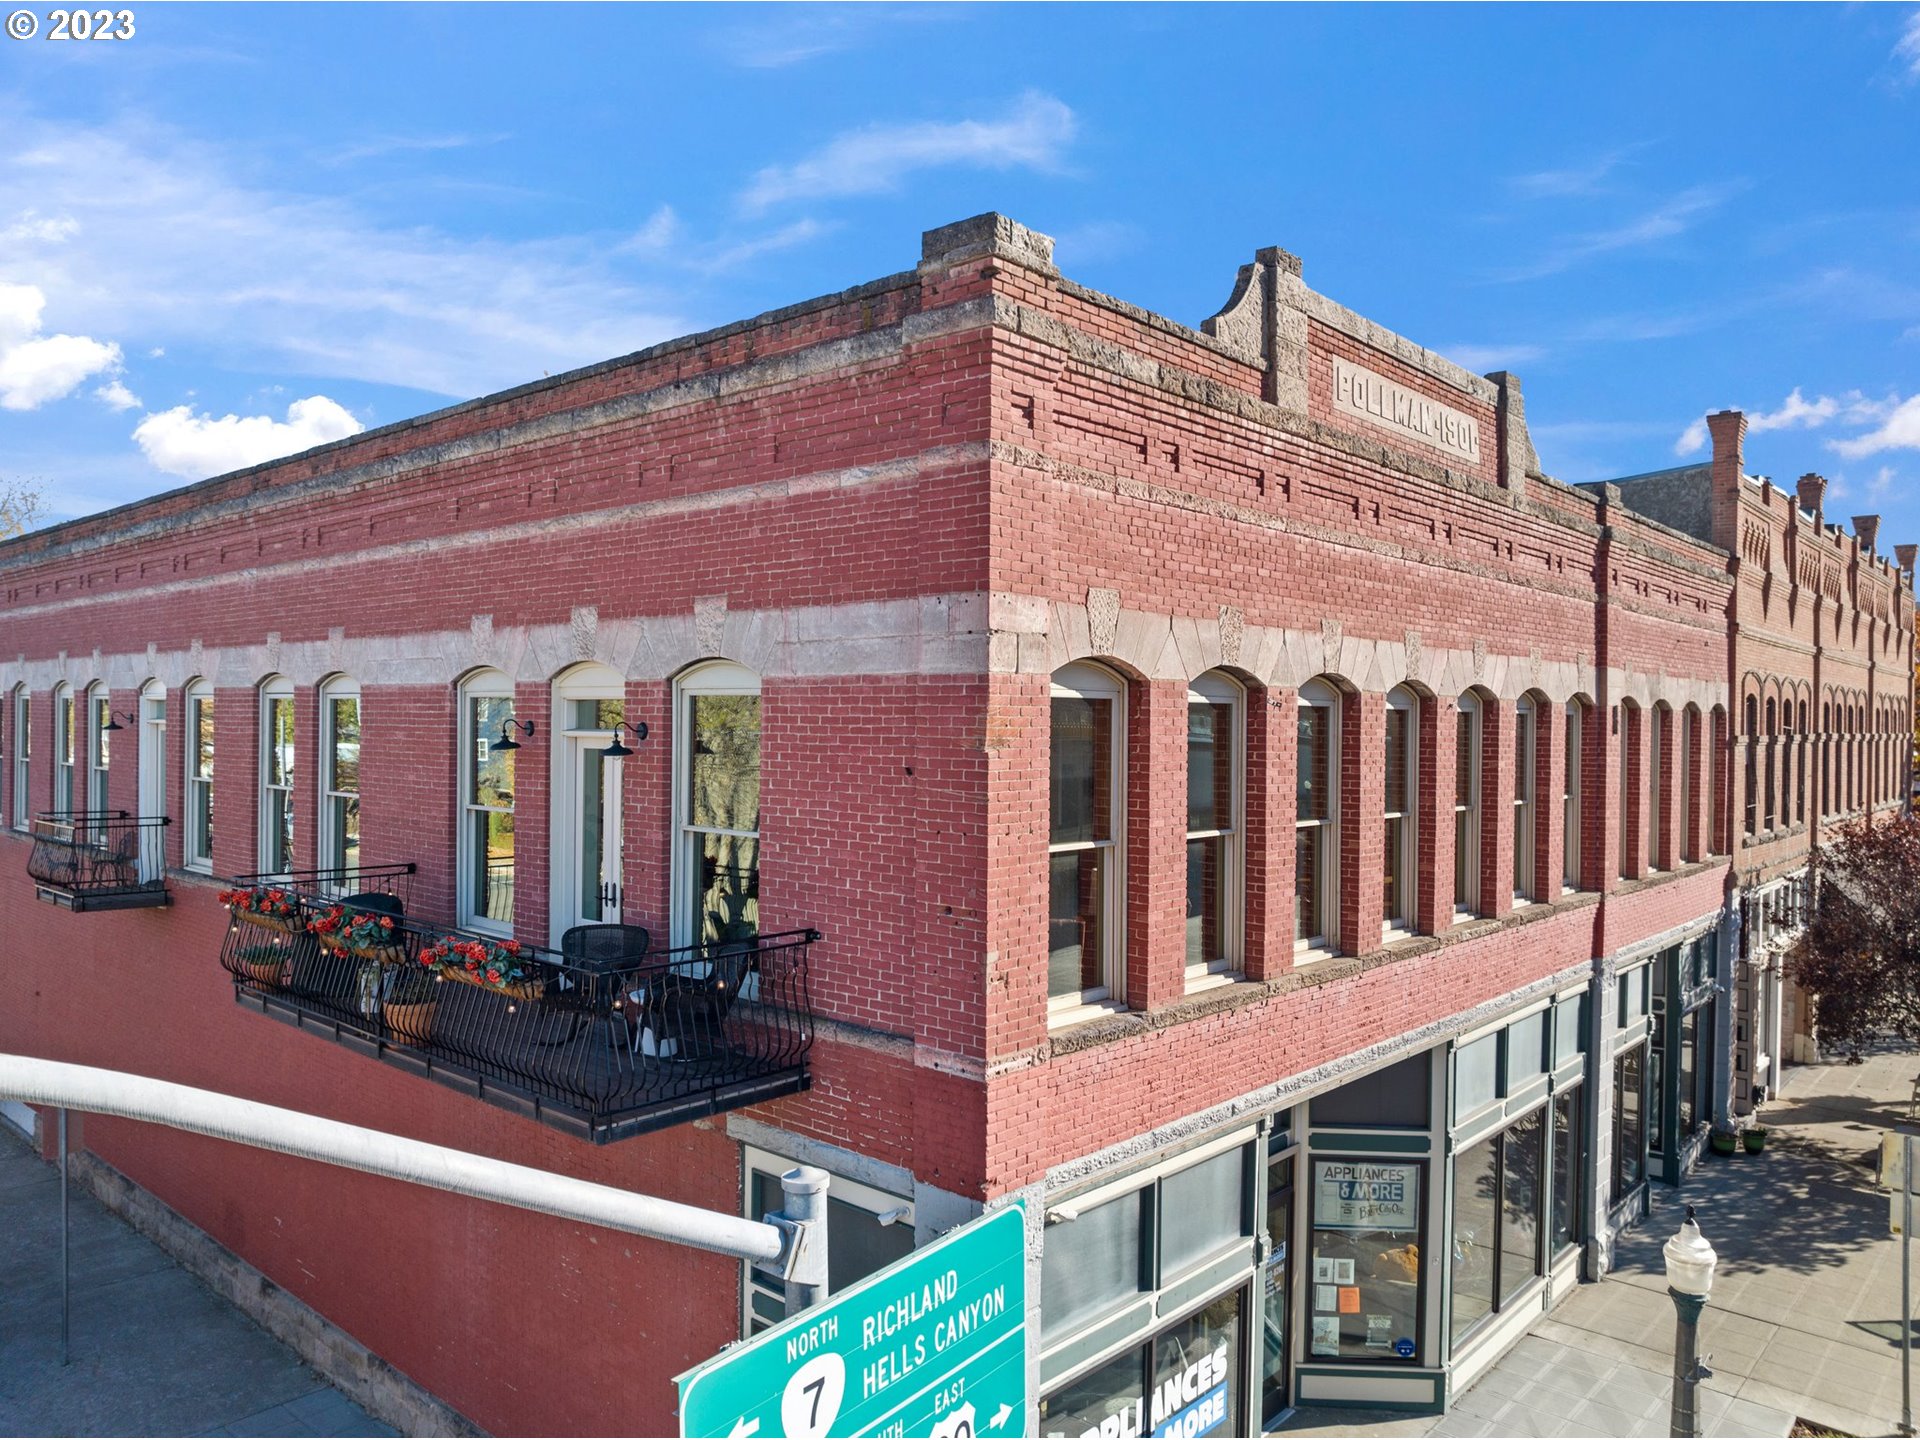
(1247, 809)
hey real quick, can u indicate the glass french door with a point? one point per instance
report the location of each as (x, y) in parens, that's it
(597, 842)
(153, 780)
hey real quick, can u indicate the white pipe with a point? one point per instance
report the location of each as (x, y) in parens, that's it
(247, 1122)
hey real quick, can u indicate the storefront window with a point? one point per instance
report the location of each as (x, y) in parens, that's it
(1629, 1121)
(1396, 1098)
(1365, 1285)
(1569, 1028)
(1476, 1180)
(1185, 1381)
(1497, 1197)
(1689, 1037)
(1567, 1154)
(1202, 1210)
(1521, 1195)
(1092, 1262)
(1526, 1049)
(1476, 1075)
(1277, 1286)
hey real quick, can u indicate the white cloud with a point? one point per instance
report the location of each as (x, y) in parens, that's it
(1909, 47)
(117, 397)
(1899, 430)
(36, 368)
(30, 227)
(404, 144)
(1573, 179)
(1881, 482)
(1491, 357)
(1693, 439)
(182, 443)
(1033, 134)
(1665, 221)
(1795, 412)
(170, 247)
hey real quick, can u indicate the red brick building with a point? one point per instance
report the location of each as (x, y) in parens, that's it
(1247, 810)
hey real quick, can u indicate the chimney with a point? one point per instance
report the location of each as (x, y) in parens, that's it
(1867, 527)
(1813, 494)
(1729, 430)
(1906, 555)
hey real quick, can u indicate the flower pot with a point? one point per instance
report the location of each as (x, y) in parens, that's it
(385, 954)
(412, 1024)
(519, 990)
(270, 974)
(1755, 1141)
(285, 924)
(1724, 1144)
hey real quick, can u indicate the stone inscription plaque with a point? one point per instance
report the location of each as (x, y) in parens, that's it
(1379, 401)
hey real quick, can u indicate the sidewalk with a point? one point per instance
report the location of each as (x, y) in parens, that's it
(153, 1351)
(1803, 1323)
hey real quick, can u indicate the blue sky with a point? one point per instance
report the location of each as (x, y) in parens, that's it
(248, 229)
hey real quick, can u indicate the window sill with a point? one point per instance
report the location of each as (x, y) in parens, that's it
(1313, 955)
(1069, 1016)
(1199, 983)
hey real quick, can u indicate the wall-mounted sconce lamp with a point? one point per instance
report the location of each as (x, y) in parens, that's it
(616, 749)
(113, 720)
(507, 727)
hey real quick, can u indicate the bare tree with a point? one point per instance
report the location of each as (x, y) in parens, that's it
(22, 506)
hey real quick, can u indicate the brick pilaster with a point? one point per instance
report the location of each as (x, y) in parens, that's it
(1156, 842)
(1270, 802)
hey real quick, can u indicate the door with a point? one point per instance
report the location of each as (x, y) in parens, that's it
(1276, 1291)
(153, 781)
(597, 840)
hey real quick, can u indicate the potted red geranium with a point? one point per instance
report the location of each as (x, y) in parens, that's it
(492, 965)
(364, 934)
(271, 907)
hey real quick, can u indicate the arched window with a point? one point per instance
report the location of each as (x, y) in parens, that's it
(1751, 825)
(1685, 741)
(1523, 795)
(1826, 760)
(22, 758)
(1215, 750)
(1402, 842)
(1570, 792)
(1773, 741)
(1656, 788)
(153, 778)
(1632, 738)
(717, 743)
(488, 749)
(588, 849)
(197, 838)
(1085, 859)
(1800, 764)
(340, 779)
(99, 715)
(276, 776)
(63, 748)
(1316, 862)
(1466, 805)
(1717, 756)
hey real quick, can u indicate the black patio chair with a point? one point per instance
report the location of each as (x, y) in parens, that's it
(683, 1017)
(601, 962)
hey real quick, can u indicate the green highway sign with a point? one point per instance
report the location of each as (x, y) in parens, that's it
(935, 1344)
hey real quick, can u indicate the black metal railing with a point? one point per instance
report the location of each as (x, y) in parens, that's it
(604, 1045)
(99, 859)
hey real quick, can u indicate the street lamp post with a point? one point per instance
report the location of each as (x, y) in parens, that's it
(1690, 1261)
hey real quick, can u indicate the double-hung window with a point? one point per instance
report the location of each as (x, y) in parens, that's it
(22, 759)
(1400, 842)
(1656, 812)
(1213, 826)
(99, 716)
(1317, 818)
(1084, 860)
(199, 832)
(719, 783)
(276, 777)
(1523, 811)
(340, 777)
(63, 728)
(1570, 796)
(1466, 806)
(1683, 750)
(486, 802)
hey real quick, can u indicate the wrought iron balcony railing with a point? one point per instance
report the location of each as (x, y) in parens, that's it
(99, 860)
(606, 1040)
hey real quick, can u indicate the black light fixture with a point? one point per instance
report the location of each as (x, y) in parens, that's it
(506, 740)
(113, 720)
(616, 749)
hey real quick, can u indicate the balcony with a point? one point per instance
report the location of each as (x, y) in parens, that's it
(97, 860)
(609, 1040)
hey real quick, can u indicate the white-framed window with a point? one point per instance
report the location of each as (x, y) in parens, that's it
(1629, 714)
(22, 758)
(99, 716)
(1086, 783)
(1216, 748)
(1656, 812)
(1466, 805)
(276, 776)
(1683, 766)
(485, 842)
(1316, 826)
(63, 748)
(1401, 845)
(717, 805)
(588, 846)
(1576, 723)
(340, 775)
(867, 1228)
(152, 716)
(1523, 795)
(197, 840)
